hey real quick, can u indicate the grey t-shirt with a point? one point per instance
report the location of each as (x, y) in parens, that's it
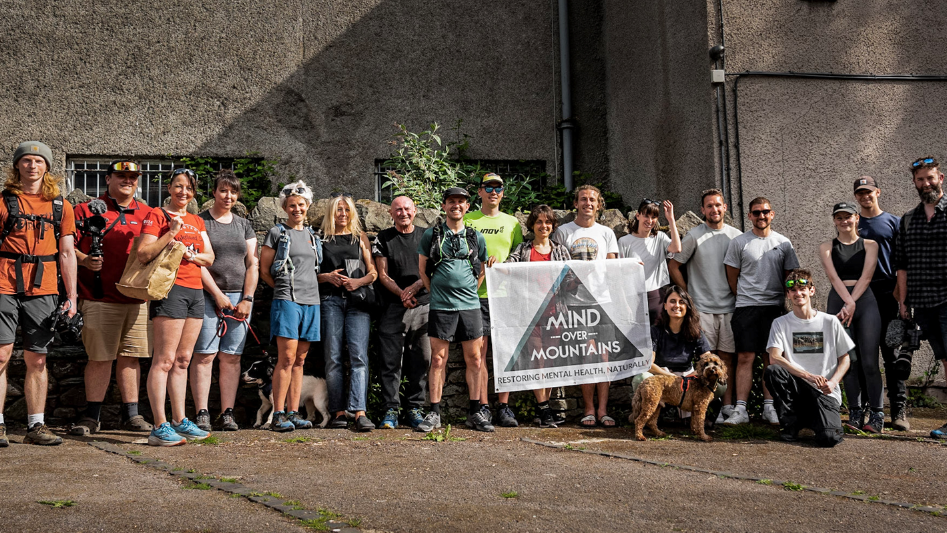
(703, 250)
(304, 259)
(229, 242)
(761, 261)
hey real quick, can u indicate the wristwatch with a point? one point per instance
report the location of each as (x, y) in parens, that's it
(247, 298)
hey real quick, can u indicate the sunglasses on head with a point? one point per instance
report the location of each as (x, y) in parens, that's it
(761, 212)
(491, 189)
(342, 194)
(289, 190)
(800, 282)
(125, 166)
(646, 201)
(187, 171)
(920, 162)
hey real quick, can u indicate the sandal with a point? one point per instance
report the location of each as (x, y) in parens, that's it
(606, 422)
(588, 421)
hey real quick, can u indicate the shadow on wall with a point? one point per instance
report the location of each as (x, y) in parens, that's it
(414, 61)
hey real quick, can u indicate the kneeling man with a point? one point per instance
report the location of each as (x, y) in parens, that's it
(809, 354)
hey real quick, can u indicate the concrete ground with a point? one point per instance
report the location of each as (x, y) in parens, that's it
(524, 479)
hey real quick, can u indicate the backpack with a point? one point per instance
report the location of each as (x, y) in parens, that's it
(14, 215)
(283, 264)
(435, 257)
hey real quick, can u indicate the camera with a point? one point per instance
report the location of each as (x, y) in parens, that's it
(905, 337)
(95, 226)
(69, 329)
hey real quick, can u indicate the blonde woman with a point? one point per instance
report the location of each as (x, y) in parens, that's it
(346, 266)
(288, 263)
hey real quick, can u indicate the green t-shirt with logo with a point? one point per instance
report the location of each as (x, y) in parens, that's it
(453, 283)
(502, 233)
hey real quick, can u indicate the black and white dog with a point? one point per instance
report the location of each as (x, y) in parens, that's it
(314, 394)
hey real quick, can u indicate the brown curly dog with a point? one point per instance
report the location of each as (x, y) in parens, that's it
(690, 394)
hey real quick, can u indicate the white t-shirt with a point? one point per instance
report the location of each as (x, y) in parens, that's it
(587, 244)
(652, 251)
(813, 345)
(762, 262)
(703, 250)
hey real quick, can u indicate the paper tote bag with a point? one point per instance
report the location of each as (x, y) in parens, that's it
(152, 280)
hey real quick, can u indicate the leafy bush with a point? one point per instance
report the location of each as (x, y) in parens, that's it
(421, 168)
(255, 175)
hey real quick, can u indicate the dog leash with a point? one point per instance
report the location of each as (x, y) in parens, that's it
(222, 327)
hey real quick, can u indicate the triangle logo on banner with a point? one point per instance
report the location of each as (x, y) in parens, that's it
(570, 328)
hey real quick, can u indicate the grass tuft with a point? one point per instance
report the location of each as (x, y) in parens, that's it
(57, 504)
(746, 432)
(212, 440)
(510, 494)
(133, 452)
(765, 482)
(197, 486)
(789, 485)
(297, 440)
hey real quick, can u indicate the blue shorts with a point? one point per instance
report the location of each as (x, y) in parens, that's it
(294, 321)
(233, 340)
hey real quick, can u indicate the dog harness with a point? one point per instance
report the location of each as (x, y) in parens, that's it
(685, 384)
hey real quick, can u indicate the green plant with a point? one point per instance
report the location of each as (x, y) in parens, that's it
(354, 522)
(873, 498)
(212, 440)
(57, 504)
(295, 505)
(765, 482)
(133, 452)
(254, 172)
(524, 405)
(421, 167)
(191, 470)
(789, 485)
(320, 523)
(858, 493)
(297, 440)
(571, 447)
(510, 494)
(197, 486)
(229, 479)
(917, 398)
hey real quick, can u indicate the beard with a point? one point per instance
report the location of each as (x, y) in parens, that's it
(930, 197)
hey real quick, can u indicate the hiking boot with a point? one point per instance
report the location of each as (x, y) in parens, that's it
(415, 417)
(391, 419)
(876, 422)
(85, 426)
(363, 424)
(725, 412)
(739, 416)
(940, 433)
(479, 422)
(899, 418)
(431, 422)
(546, 420)
(856, 419)
(485, 408)
(163, 435)
(280, 423)
(227, 423)
(137, 423)
(505, 418)
(190, 431)
(299, 423)
(41, 435)
(202, 420)
(3, 436)
(769, 415)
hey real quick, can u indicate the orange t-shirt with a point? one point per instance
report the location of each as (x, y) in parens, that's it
(29, 238)
(156, 223)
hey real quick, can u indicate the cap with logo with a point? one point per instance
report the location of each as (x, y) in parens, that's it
(866, 182)
(491, 178)
(844, 207)
(456, 191)
(33, 148)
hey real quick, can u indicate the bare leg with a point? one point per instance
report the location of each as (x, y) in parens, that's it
(542, 395)
(177, 378)
(229, 379)
(602, 389)
(167, 332)
(36, 383)
(588, 399)
(97, 377)
(128, 377)
(474, 366)
(296, 380)
(282, 375)
(744, 377)
(485, 374)
(200, 370)
(5, 351)
(435, 380)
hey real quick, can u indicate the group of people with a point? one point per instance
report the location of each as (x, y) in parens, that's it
(717, 289)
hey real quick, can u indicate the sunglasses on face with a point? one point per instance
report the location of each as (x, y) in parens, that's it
(342, 194)
(491, 189)
(125, 166)
(187, 171)
(920, 162)
(802, 283)
(761, 212)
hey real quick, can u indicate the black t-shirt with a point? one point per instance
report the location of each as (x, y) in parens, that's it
(673, 351)
(401, 250)
(340, 252)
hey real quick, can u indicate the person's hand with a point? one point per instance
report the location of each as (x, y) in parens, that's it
(905, 314)
(335, 278)
(222, 302)
(849, 310)
(70, 307)
(242, 310)
(350, 284)
(817, 380)
(175, 226)
(669, 210)
(491, 260)
(92, 263)
(410, 303)
(828, 387)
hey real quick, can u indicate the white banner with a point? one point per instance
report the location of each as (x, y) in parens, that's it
(556, 323)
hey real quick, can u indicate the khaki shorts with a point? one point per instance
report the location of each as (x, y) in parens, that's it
(114, 329)
(717, 331)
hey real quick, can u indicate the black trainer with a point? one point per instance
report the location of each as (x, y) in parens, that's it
(202, 420)
(227, 423)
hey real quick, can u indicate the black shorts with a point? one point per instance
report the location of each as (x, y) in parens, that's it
(751, 326)
(485, 316)
(455, 326)
(181, 302)
(32, 314)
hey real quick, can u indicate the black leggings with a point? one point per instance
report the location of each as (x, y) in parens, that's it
(866, 332)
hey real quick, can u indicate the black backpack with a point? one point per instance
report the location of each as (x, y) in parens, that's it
(435, 257)
(14, 216)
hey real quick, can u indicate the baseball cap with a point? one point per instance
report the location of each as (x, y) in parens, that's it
(866, 182)
(844, 207)
(33, 148)
(124, 165)
(491, 177)
(456, 191)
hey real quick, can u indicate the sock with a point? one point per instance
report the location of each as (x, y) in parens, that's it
(436, 408)
(502, 406)
(34, 419)
(741, 405)
(1, 418)
(543, 405)
(93, 410)
(130, 410)
(474, 406)
(767, 402)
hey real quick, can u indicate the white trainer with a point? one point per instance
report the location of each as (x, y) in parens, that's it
(739, 416)
(725, 412)
(769, 414)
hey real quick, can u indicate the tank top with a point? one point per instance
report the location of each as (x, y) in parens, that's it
(339, 252)
(848, 259)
